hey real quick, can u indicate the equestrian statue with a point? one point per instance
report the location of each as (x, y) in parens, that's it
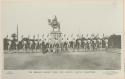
(54, 24)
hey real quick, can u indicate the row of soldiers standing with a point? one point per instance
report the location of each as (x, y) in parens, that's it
(46, 45)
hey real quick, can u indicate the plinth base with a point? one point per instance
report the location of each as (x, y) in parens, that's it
(56, 36)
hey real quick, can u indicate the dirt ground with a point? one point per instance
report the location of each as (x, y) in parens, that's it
(99, 60)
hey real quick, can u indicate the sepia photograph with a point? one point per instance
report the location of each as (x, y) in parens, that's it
(62, 35)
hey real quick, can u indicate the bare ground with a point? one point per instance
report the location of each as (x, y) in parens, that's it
(101, 60)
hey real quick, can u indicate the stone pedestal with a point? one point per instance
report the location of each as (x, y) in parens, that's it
(56, 36)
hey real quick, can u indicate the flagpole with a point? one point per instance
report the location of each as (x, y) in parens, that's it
(17, 32)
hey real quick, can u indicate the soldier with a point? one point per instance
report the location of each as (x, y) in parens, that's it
(99, 43)
(9, 46)
(57, 48)
(37, 45)
(40, 45)
(43, 47)
(24, 45)
(77, 44)
(92, 45)
(98, 40)
(65, 46)
(103, 43)
(19, 45)
(106, 43)
(51, 47)
(13, 45)
(28, 43)
(95, 44)
(82, 43)
(71, 44)
(89, 44)
(74, 43)
(85, 45)
(61, 45)
(47, 46)
(33, 45)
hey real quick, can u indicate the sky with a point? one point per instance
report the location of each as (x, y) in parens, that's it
(75, 16)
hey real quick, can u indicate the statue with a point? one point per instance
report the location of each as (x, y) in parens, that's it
(55, 34)
(54, 24)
